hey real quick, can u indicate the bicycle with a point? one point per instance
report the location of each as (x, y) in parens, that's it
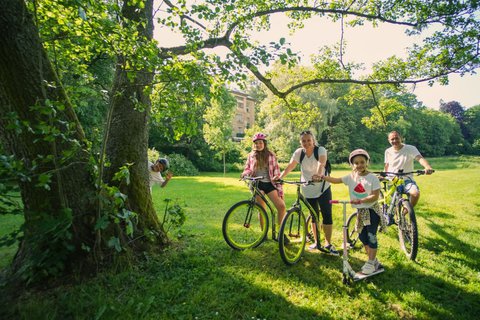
(246, 223)
(294, 229)
(396, 208)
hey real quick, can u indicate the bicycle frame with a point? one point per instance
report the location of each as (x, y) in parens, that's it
(395, 193)
(396, 207)
(301, 199)
(257, 192)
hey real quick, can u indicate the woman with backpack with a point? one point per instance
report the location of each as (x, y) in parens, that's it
(313, 162)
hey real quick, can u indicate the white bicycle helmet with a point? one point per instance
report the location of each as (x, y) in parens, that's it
(358, 152)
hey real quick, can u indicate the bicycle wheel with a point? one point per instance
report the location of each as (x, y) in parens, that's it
(310, 235)
(292, 236)
(352, 235)
(407, 229)
(245, 225)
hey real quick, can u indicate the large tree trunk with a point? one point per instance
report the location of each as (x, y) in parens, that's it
(127, 137)
(32, 103)
(60, 216)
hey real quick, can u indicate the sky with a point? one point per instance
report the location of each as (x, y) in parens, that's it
(364, 44)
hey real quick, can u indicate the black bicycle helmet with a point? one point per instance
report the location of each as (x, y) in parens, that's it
(164, 162)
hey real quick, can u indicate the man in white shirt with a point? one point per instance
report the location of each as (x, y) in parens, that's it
(155, 170)
(400, 156)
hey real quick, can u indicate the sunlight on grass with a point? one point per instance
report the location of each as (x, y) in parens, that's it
(200, 277)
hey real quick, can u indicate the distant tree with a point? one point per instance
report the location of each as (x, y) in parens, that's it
(456, 110)
(472, 124)
(217, 128)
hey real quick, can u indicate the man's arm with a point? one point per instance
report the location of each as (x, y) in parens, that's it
(168, 176)
(425, 164)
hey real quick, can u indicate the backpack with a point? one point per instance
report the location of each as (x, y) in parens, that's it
(328, 166)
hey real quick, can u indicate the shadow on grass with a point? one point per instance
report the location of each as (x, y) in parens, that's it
(416, 293)
(449, 245)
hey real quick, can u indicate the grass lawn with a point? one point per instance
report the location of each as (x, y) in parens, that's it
(200, 277)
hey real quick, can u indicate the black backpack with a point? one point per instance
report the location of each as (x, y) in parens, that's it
(328, 166)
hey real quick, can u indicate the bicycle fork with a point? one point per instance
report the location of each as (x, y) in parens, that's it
(248, 216)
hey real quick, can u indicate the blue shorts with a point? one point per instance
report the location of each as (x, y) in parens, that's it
(410, 186)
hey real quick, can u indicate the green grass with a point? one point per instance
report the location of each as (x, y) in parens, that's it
(200, 277)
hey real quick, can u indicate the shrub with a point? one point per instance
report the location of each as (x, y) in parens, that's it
(181, 166)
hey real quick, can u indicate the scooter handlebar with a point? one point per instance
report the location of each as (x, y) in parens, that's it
(339, 201)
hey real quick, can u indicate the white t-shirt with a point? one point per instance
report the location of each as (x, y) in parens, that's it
(401, 159)
(155, 177)
(309, 168)
(361, 187)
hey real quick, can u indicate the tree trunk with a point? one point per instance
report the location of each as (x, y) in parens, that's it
(39, 127)
(127, 137)
(34, 110)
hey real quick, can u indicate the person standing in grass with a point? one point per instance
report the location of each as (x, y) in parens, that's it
(400, 156)
(364, 189)
(262, 162)
(313, 160)
(155, 171)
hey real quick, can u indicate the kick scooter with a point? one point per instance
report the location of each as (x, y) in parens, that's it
(348, 273)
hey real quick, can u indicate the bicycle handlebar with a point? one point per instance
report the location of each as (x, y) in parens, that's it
(295, 182)
(400, 174)
(251, 178)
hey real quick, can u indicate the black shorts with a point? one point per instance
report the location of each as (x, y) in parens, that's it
(266, 187)
(322, 204)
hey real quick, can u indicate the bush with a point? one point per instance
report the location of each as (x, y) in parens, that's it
(181, 166)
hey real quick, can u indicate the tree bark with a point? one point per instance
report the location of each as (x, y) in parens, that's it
(34, 113)
(127, 137)
(32, 101)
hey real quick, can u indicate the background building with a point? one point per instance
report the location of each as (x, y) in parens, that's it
(244, 115)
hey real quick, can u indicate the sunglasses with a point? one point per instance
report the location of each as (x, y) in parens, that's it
(305, 132)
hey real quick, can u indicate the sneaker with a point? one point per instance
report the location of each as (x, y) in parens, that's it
(368, 267)
(331, 249)
(313, 246)
(377, 265)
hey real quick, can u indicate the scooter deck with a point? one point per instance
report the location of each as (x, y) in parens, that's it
(360, 276)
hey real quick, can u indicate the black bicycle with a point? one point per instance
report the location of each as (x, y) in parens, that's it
(295, 229)
(246, 223)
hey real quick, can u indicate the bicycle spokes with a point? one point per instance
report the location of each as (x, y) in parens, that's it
(292, 236)
(245, 225)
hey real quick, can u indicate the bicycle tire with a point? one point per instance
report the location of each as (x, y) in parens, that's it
(352, 235)
(240, 235)
(292, 236)
(310, 235)
(407, 229)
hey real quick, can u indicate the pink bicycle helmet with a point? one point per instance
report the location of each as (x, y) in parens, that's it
(259, 136)
(358, 152)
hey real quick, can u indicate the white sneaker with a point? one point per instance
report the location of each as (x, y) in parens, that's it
(368, 267)
(378, 265)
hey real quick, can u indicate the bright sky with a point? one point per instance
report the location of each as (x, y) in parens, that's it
(364, 44)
